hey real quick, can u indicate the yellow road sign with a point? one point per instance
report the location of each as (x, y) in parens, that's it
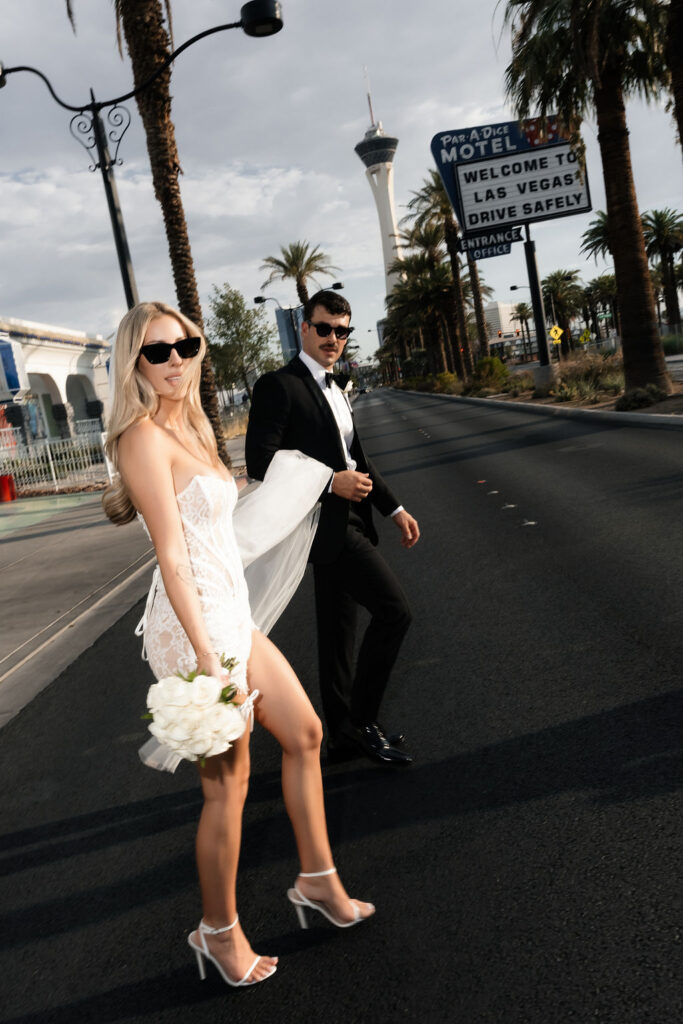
(556, 333)
(585, 337)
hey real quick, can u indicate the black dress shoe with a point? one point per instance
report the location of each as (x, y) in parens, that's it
(373, 743)
(394, 739)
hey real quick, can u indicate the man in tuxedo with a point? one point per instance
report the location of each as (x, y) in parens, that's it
(301, 407)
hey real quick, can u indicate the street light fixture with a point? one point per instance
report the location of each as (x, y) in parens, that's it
(258, 18)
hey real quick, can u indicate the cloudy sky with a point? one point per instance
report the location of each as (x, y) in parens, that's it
(266, 130)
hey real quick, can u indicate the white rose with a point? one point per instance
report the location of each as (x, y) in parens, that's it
(205, 691)
(172, 692)
(178, 733)
(200, 743)
(219, 747)
(228, 722)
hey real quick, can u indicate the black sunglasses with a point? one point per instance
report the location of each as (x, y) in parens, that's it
(160, 351)
(324, 330)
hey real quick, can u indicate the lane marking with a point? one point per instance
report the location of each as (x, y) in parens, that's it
(507, 505)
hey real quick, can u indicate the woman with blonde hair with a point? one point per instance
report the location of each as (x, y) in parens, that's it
(170, 474)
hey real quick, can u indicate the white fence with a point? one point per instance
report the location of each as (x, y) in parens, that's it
(52, 465)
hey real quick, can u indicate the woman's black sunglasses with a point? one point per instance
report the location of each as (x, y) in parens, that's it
(324, 330)
(160, 351)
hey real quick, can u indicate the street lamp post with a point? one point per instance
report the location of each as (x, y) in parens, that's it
(258, 18)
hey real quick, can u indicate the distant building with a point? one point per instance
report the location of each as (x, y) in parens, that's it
(51, 378)
(498, 316)
(289, 323)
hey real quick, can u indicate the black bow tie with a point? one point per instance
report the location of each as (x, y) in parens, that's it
(329, 377)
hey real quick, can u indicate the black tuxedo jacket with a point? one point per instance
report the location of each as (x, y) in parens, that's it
(289, 410)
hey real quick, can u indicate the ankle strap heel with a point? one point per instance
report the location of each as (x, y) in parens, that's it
(317, 874)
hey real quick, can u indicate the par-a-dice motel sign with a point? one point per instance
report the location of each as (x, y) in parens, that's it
(501, 175)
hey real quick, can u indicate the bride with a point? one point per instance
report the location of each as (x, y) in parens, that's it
(162, 446)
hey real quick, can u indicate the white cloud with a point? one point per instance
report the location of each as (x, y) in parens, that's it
(266, 132)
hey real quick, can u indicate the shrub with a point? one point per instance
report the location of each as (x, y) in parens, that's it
(447, 384)
(672, 344)
(491, 372)
(639, 398)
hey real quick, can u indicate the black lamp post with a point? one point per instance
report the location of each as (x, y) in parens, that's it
(257, 18)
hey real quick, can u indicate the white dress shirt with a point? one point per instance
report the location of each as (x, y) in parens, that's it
(337, 402)
(341, 410)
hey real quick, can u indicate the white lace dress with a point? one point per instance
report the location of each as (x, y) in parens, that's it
(247, 557)
(206, 507)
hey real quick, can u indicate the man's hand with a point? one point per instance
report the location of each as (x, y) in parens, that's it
(410, 531)
(351, 485)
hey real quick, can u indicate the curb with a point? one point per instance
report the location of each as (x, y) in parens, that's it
(24, 680)
(653, 421)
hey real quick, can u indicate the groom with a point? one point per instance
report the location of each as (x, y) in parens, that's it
(301, 407)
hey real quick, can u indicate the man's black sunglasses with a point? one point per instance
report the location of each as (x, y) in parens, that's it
(160, 351)
(324, 330)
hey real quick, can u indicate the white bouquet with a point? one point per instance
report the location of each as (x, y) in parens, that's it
(195, 716)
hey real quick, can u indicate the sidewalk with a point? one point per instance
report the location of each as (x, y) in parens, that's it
(67, 576)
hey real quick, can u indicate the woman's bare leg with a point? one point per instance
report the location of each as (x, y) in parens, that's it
(286, 712)
(225, 780)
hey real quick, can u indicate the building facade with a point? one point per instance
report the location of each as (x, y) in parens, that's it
(53, 380)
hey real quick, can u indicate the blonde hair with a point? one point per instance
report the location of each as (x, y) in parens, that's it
(135, 399)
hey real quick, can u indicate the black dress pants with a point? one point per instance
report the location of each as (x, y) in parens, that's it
(359, 576)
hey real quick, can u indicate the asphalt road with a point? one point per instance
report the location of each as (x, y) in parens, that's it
(526, 869)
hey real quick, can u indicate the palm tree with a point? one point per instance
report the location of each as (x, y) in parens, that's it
(605, 288)
(523, 313)
(577, 57)
(474, 292)
(591, 301)
(299, 262)
(595, 239)
(423, 296)
(431, 203)
(149, 41)
(562, 293)
(663, 231)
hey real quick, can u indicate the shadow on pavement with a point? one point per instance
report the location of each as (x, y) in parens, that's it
(628, 753)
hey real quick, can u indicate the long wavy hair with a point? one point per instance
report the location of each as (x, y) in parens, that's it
(135, 399)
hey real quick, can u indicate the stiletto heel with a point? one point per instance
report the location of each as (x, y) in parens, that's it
(200, 964)
(302, 904)
(301, 914)
(202, 953)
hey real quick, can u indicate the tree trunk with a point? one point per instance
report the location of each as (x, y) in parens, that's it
(674, 59)
(458, 366)
(673, 312)
(482, 333)
(302, 291)
(148, 46)
(643, 356)
(460, 327)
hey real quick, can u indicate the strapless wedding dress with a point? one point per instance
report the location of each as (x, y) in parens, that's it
(248, 551)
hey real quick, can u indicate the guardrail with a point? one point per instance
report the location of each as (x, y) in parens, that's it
(55, 464)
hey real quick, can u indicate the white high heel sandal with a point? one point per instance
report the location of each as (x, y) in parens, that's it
(202, 953)
(303, 905)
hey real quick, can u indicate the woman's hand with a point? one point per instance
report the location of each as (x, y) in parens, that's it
(210, 663)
